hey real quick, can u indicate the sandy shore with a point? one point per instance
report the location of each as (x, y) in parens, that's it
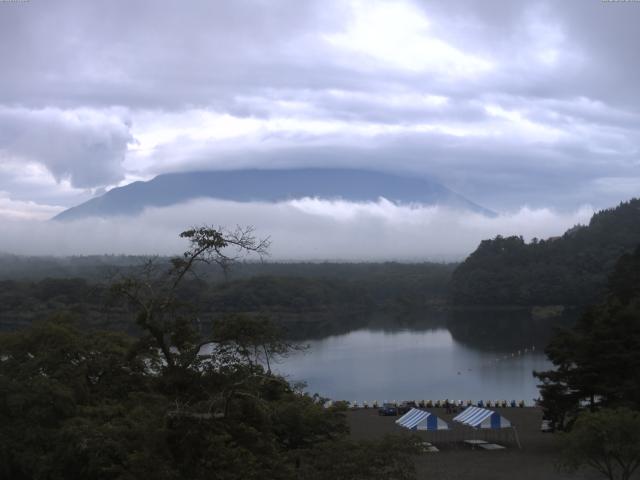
(536, 460)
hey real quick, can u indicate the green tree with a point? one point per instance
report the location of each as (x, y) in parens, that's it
(174, 403)
(607, 441)
(170, 325)
(597, 362)
(76, 403)
(567, 270)
(61, 388)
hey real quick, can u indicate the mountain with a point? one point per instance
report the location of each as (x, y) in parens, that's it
(269, 186)
(567, 270)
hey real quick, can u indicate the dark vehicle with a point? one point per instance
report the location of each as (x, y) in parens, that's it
(388, 409)
(404, 407)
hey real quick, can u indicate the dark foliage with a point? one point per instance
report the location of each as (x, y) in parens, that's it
(567, 270)
(174, 402)
(607, 441)
(90, 405)
(597, 362)
(303, 299)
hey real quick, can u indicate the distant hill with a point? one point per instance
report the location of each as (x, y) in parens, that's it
(269, 186)
(567, 270)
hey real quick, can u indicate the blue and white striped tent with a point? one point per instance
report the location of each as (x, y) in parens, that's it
(482, 418)
(416, 419)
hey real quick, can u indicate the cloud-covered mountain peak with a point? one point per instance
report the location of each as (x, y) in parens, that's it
(255, 185)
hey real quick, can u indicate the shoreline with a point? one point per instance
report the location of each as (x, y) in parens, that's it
(537, 459)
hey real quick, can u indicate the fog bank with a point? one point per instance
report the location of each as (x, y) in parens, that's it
(305, 229)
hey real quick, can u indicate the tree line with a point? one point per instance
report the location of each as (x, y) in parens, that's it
(593, 391)
(304, 299)
(567, 270)
(174, 402)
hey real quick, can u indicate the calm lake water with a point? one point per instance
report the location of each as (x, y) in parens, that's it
(413, 365)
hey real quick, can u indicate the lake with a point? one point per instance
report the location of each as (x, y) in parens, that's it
(406, 364)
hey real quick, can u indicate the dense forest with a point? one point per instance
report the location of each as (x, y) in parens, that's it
(101, 268)
(567, 270)
(596, 362)
(172, 402)
(306, 299)
(317, 299)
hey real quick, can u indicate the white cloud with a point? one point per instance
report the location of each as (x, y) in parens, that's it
(397, 34)
(16, 209)
(515, 125)
(306, 229)
(85, 146)
(518, 102)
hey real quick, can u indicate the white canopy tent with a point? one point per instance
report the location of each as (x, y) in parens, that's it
(487, 420)
(416, 419)
(477, 417)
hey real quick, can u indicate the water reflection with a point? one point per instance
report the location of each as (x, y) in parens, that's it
(369, 364)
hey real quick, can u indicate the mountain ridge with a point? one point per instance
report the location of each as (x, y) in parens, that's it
(270, 186)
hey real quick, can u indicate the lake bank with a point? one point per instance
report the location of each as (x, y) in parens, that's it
(536, 460)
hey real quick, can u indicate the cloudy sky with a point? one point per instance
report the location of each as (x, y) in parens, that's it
(529, 108)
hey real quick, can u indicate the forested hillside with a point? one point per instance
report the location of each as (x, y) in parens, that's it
(567, 270)
(596, 361)
(305, 299)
